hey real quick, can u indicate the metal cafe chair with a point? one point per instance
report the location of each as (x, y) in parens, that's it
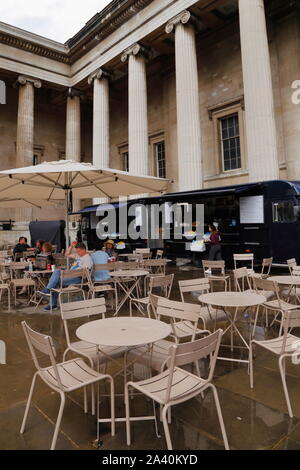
(283, 347)
(246, 259)
(162, 283)
(84, 310)
(176, 385)
(277, 306)
(209, 268)
(63, 378)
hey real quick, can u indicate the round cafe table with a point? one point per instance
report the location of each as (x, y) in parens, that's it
(126, 332)
(236, 301)
(290, 281)
(122, 278)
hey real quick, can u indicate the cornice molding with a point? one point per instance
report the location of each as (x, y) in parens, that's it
(29, 46)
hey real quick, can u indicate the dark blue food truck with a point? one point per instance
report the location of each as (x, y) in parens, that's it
(261, 218)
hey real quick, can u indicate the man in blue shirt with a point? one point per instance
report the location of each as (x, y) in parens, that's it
(100, 257)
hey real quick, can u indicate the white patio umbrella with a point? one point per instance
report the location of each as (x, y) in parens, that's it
(68, 180)
(19, 203)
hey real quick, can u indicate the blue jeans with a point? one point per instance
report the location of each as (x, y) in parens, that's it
(54, 283)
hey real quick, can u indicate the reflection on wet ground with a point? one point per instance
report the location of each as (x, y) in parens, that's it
(254, 419)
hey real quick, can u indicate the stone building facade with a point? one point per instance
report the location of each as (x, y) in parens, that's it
(198, 91)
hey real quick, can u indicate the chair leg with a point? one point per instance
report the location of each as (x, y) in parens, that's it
(220, 416)
(28, 403)
(58, 421)
(251, 365)
(112, 406)
(93, 400)
(65, 354)
(166, 427)
(127, 408)
(85, 405)
(283, 378)
(130, 307)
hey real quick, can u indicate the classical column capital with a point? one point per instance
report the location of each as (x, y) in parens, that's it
(184, 17)
(135, 49)
(72, 93)
(22, 80)
(99, 74)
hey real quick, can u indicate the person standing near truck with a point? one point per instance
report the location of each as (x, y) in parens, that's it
(215, 252)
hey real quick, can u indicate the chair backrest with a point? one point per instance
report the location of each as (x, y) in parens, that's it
(43, 344)
(144, 252)
(291, 263)
(41, 262)
(266, 285)
(266, 266)
(245, 258)
(121, 265)
(3, 254)
(296, 270)
(214, 266)
(104, 267)
(241, 279)
(18, 256)
(164, 283)
(82, 309)
(155, 265)
(189, 353)
(179, 311)
(201, 285)
(290, 320)
(81, 274)
(59, 260)
(159, 254)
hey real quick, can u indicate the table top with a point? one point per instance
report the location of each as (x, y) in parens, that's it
(40, 272)
(232, 299)
(286, 280)
(129, 273)
(123, 331)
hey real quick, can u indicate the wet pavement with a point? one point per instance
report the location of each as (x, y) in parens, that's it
(254, 419)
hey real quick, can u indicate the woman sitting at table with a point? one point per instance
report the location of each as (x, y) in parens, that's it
(109, 248)
(100, 257)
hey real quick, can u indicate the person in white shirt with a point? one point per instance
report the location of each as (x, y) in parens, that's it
(81, 260)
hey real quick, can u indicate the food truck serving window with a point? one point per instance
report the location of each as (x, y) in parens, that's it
(284, 212)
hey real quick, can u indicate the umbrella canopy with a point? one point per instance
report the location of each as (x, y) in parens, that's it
(50, 181)
(68, 180)
(22, 203)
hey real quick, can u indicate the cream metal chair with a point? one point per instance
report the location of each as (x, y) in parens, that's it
(144, 252)
(265, 269)
(101, 287)
(81, 274)
(209, 267)
(175, 385)
(184, 319)
(162, 283)
(277, 306)
(159, 254)
(200, 286)
(246, 259)
(16, 283)
(63, 378)
(292, 263)
(4, 286)
(283, 347)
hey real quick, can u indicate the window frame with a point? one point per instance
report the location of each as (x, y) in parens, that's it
(228, 139)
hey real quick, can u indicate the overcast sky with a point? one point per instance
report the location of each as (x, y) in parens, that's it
(54, 19)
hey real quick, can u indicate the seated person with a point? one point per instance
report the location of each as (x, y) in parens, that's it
(37, 250)
(81, 260)
(46, 254)
(21, 246)
(100, 257)
(109, 248)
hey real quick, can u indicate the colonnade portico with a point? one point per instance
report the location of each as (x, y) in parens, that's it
(261, 142)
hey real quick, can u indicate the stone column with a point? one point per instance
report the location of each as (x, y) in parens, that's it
(188, 106)
(138, 111)
(101, 147)
(259, 101)
(73, 132)
(25, 132)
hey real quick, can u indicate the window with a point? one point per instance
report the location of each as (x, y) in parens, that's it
(230, 141)
(160, 158)
(284, 212)
(125, 161)
(38, 153)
